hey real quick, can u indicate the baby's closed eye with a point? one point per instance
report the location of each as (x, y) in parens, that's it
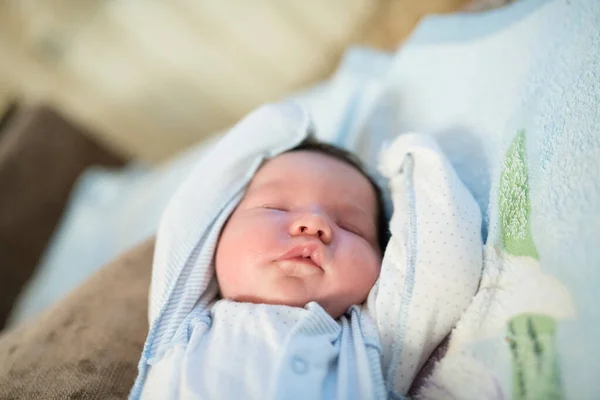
(275, 207)
(351, 228)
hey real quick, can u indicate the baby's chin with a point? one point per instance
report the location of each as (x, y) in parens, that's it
(292, 295)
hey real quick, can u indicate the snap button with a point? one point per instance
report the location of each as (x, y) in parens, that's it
(299, 365)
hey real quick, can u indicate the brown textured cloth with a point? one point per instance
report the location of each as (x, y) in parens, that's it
(41, 155)
(88, 345)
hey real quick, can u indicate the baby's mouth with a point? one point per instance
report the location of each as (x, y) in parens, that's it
(305, 258)
(302, 260)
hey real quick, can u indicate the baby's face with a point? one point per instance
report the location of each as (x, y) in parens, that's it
(306, 230)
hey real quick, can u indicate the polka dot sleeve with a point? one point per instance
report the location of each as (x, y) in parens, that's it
(432, 266)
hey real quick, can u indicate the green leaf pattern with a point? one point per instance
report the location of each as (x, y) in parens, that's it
(531, 337)
(514, 202)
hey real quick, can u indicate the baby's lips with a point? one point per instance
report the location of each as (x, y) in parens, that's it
(311, 250)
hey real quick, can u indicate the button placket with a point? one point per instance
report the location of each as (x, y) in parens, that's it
(299, 365)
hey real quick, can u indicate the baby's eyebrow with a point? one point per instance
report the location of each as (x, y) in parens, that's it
(270, 185)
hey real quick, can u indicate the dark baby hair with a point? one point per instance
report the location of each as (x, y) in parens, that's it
(312, 144)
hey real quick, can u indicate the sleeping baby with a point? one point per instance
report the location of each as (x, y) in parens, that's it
(298, 294)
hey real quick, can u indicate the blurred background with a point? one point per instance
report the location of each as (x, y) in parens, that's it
(149, 78)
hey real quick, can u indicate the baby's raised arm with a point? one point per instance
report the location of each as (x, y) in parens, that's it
(432, 265)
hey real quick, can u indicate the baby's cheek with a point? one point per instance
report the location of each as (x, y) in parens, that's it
(366, 266)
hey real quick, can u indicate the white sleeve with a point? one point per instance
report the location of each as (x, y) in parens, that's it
(432, 265)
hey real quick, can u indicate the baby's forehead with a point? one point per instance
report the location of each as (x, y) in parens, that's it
(311, 158)
(310, 169)
(305, 169)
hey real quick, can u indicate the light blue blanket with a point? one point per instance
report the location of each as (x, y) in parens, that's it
(513, 97)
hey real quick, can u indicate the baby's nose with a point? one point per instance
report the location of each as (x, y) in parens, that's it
(312, 224)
